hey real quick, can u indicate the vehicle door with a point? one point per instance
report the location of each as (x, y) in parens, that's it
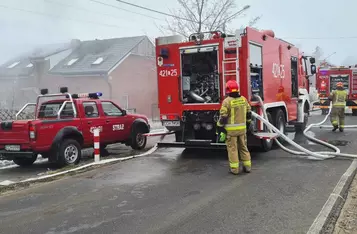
(117, 124)
(92, 119)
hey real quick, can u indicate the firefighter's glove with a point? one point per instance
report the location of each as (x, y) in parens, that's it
(222, 137)
(222, 134)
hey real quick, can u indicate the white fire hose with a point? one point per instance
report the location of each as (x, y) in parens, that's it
(304, 152)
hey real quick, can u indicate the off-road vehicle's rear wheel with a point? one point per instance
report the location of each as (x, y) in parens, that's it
(25, 162)
(138, 140)
(70, 152)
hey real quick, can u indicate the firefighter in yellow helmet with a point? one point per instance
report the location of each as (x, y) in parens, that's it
(338, 98)
(235, 116)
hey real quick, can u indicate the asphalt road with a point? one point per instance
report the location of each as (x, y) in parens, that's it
(41, 166)
(172, 191)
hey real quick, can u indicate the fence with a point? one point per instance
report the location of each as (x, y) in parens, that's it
(6, 114)
(155, 113)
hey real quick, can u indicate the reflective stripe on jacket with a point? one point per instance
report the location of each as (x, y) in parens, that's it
(339, 98)
(234, 110)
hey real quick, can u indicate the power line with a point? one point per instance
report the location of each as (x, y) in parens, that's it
(83, 9)
(119, 8)
(58, 17)
(158, 12)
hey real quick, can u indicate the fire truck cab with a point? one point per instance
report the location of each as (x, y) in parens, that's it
(326, 80)
(192, 75)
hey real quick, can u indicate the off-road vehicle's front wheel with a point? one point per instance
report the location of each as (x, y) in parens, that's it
(138, 140)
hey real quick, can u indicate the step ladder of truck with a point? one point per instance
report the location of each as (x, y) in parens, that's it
(266, 135)
(232, 60)
(208, 144)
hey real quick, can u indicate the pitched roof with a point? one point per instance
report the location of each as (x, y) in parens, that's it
(21, 65)
(97, 56)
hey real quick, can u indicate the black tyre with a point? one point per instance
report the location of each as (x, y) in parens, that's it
(301, 127)
(70, 152)
(25, 162)
(280, 122)
(178, 136)
(354, 112)
(138, 140)
(267, 143)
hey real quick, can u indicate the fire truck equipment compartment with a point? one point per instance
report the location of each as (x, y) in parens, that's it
(200, 78)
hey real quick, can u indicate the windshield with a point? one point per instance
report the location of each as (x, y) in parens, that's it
(334, 79)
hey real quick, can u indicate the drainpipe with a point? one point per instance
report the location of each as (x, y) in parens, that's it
(109, 82)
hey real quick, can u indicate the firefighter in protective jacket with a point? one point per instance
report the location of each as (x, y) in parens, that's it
(338, 98)
(235, 116)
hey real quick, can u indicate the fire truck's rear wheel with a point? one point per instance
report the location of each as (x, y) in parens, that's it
(279, 122)
(70, 153)
(267, 143)
(25, 162)
(301, 127)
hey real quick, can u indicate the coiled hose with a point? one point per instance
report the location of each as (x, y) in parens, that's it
(304, 152)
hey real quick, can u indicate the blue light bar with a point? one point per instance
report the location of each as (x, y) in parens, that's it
(95, 95)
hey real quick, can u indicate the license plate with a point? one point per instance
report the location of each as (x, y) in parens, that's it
(171, 123)
(12, 147)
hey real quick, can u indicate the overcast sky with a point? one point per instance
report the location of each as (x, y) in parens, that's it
(307, 23)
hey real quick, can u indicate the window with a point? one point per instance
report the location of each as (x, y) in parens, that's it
(72, 61)
(111, 110)
(98, 61)
(90, 109)
(50, 110)
(294, 77)
(255, 54)
(13, 65)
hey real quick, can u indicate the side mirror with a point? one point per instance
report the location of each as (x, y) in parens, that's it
(312, 60)
(124, 112)
(313, 69)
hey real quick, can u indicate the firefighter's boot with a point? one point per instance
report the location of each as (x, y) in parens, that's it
(247, 166)
(341, 129)
(247, 169)
(234, 171)
(335, 128)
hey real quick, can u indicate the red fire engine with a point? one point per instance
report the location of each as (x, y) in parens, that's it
(192, 76)
(326, 79)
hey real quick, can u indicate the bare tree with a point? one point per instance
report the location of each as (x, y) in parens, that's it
(195, 16)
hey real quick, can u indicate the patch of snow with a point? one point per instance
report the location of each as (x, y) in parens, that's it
(6, 182)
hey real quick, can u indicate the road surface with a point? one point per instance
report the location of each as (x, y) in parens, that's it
(172, 191)
(15, 173)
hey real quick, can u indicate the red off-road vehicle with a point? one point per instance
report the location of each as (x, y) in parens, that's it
(63, 126)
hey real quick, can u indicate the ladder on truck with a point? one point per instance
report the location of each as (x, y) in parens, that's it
(231, 45)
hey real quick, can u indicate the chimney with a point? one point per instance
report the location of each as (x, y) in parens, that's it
(75, 43)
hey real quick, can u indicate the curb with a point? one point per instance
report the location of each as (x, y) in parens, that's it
(93, 164)
(334, 200)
